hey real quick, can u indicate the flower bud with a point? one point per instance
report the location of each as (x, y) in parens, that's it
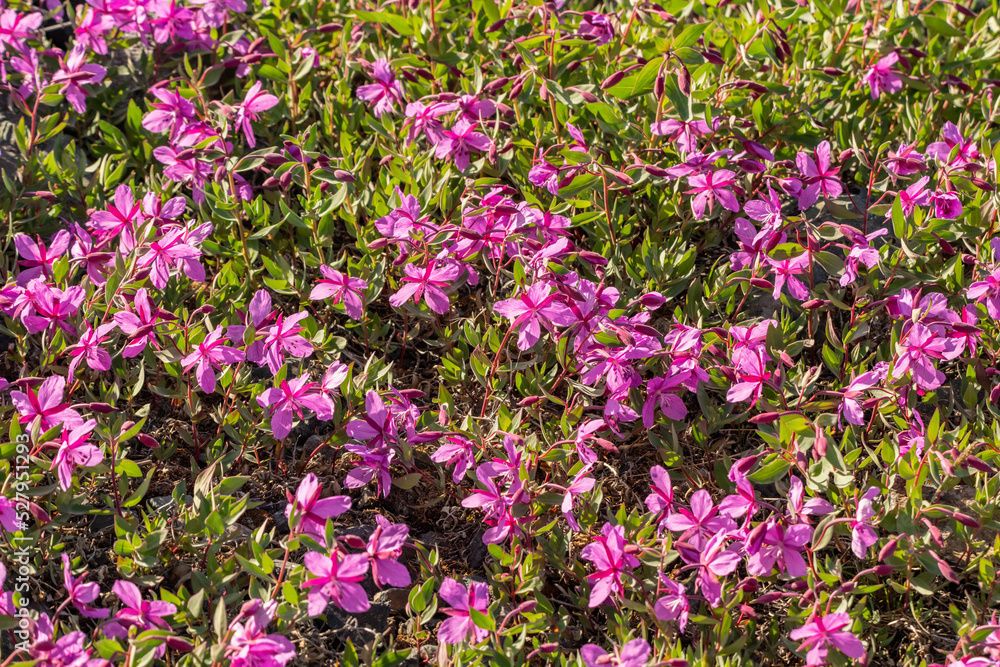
(102, 408)
(275, 159)
(684, 81)
(344, 176)
(330, 27)
(285, 180)
(148, 440)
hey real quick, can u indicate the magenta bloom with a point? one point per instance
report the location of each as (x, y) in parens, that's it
(313, 511)
(139, 613)
(965, 149)
(919, 347)
(635, 653)
(785, 272)
(73, 74)
(850, 408)
(251, 646)
(947, 205)
(817, 176)
(283, 336)
(51, 307)
(254, 102)
(460, 626)
(336, 581)
(713, 562)
(122, 216)
(288, 399)
(7, 607)
(383, 95)
(531, 311)
(75, 451)
(914, 196)
(170, 251)
(210, 355)
(684, 133)
(660, 392)
(81, 594)
(171, 113)
(37, 259)
(598, 26)
(674, 605)
(458, 452)
(89, 348)
(427, 283)
(384, 546)
(863, 536)
(545, 175)
(458, 142)
(861, 253)
(607, 553)
(422, 118)
(46, 405)
(766, 211)
(881, 78)
(752, 375)
(579, 485)
(139, 325)
(824, 632)
(700, 522)
(799, 507)
(782, 546)
(342, 289)
(661, 500)
(708, 187)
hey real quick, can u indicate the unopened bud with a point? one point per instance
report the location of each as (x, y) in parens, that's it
(330, 27)
(344, 176)
(684, 81)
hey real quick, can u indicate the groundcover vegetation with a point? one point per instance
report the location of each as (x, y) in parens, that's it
(499, 333)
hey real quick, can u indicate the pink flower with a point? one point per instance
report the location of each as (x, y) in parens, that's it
(16, 27)
(766, 211)
(782, 546)
(850, 409)
(424, 119)
(81, 594)
(914, 196)
(384, 546)
(661, 500)
(46, 405)
(290, 398)
(283, 336)
(51, 307)
(342, 289)
(947, 205)
(700, 522)
(140, 325)
(210, 355)
(660, 393)
(7, 607)
(863, 536)
(684, 133)
(708, 187)
(336, 581)
(311, 511)
(122, 216)
(674, 605)
(254, 102)
(635, 653)
(881, 78)
(460, 627)
(861, 253)
(138, 613)
(905, 161)
(458, 142)
(752, 375)
(713, 562)
(427, 283)
(581, 484)
(817, 176)
(610, 560)
(545, 175)
(37, 258)
(334, 376)
(531, 311)
(965, 150)
(170, 251)
(89, 348)
(598, 26)
(920, 345)
(824, 632)
(785, 272)
(458, 452)
(799, 507)
(383, 95)
(251, 646)
(73, 74)
(75, 451)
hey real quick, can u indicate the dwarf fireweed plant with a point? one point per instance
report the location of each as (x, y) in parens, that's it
(499, 333)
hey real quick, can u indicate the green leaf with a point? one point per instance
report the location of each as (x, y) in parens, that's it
(941, 27)
(690, 35)
(396, 22)
(637, 84)
(482, 620)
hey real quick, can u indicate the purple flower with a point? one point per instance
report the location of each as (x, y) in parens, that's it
(545, 175)
(713, 561)
(283, 336)
(336, 581)
(881, 78)
(919, 346)
(422, 118)
(531, 311)
(251, 646)
(661, 500)
(382, 95)
(817, 176)
(46, 405)
(863, 535)
(458, 452)
(342, 289)
(138, 613)
(426, 283)
(965, 150)
(75, 451)
(610, 560)
(376, 425)
(766, 211)
(311, 511)
(334, 376)
(635, 653)
(51, 307)
(9, 518)
(708, 187)
(752, 375)
(905, 161)
(914, 196)
(947, 205)
(81, 594)
(674, 605)
(798, 507)
(781, 546)
(171, 113)
(210, 355)
(89, 348)
(73, 74)
(860, 253)
(660, 393)
(684, 133)
(700, 522)
(460, 627)
(597, 25)
(290, 397)
(7, 607)
(458, 142)
(384, 548)
(37, 259)
(850, 409)
(824, 632)
(140, 325)
(254, 102)
(785, 272)
(167, 253)
(581, 484)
